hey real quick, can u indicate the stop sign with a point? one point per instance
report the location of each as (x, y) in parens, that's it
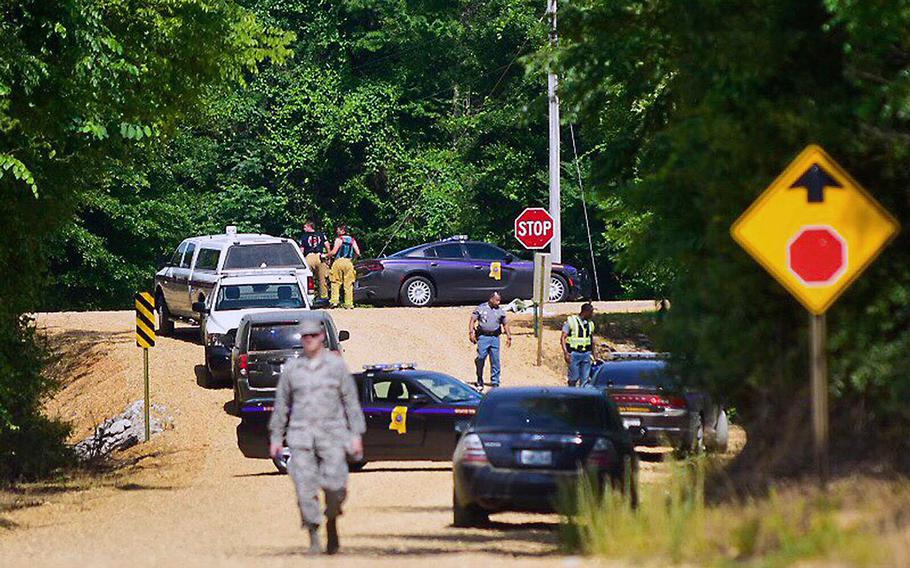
(534, 228)
(817, 255)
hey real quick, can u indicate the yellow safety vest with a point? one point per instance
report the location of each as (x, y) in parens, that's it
(580, 334)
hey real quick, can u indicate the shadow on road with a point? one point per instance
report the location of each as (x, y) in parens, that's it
(369, 469)
(188, 334)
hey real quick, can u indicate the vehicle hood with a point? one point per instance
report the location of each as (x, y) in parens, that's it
(223, 322)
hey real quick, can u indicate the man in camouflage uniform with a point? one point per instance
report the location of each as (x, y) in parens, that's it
(318, 414)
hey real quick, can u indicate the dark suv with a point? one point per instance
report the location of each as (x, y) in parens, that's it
(263, 343)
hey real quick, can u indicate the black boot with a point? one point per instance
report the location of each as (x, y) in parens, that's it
(332, 543)
(315, 546)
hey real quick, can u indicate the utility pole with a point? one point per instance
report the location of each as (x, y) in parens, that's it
(556, 243)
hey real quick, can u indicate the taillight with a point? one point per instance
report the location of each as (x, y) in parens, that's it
(470, 450)
(371, 266)
(310, 284)
(571, 283)
(244, 363)
(602, 455)
(651, 400)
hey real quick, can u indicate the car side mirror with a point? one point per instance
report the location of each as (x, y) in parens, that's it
(508, 259)
(344, 335)
(420, 398)
(200, 307)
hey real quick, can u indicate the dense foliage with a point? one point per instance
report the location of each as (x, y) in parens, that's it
(408, 121)
(693, 108)
(84, 85)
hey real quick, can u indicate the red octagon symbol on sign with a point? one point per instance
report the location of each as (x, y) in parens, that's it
(817, 255)
(534, 228)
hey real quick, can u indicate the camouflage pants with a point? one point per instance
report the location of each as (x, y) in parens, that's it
(324, 466)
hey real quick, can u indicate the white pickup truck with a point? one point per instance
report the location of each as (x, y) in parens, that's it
(199, 262)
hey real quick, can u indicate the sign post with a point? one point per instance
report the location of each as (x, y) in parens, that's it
(145, 338)
(542, 267)
(815, 229)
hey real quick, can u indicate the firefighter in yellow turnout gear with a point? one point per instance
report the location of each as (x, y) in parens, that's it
(577, 344)
(344, 251)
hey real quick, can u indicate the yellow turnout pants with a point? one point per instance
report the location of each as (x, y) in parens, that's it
(320, 274)
(343, 273)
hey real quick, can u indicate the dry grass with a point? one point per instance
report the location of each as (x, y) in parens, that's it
(858, 522)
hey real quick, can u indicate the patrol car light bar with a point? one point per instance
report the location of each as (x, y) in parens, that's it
(638, 355)
(390, 367)
(456, 238)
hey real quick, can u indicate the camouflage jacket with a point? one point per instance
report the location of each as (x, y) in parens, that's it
(316, 401)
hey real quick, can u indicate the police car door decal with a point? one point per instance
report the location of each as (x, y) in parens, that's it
(399, 421)
(496, 270)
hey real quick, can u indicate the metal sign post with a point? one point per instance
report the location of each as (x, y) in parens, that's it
(145, 338)
(818, 338)
(815, 229)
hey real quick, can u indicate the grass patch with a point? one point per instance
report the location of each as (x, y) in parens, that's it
(673, 525)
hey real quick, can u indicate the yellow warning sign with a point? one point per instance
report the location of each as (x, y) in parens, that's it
(145, 320)
(399, 421)
(815, 229)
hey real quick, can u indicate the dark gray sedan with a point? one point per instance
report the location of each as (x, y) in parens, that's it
(458, 270)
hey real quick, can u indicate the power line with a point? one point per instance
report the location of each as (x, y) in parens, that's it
(584, 206)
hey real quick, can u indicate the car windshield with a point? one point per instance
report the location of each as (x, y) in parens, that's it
(247, 296)
(633, 374)
(448, 389)
(262, 256)
(276, 337)
(542, 413)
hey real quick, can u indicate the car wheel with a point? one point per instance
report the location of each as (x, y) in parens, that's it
(417, 292)
(695, 442)
(236, 399)
(469, 516)
(559, 289)
(281, 462)
(721, 433)
(165, 323)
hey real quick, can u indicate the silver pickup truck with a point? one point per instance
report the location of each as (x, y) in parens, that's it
(197, 264)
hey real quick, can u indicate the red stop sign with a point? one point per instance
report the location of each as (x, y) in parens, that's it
(817, 255)
(534, 228)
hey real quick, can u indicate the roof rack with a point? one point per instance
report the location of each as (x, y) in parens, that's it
(390, 367)
(631, 355)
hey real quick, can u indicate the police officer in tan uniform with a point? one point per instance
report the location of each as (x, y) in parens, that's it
(318, 414)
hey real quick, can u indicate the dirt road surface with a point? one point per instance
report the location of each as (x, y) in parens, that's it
(190, 498)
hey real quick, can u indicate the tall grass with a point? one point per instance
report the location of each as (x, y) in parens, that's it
(673, 525)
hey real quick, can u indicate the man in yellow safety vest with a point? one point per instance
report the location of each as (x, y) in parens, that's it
(577, 345)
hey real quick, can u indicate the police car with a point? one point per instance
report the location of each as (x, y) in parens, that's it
(411, 415)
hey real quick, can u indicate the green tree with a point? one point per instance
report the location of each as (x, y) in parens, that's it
(84, 86)
(694, 108)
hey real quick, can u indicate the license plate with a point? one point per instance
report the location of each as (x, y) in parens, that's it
(535, 457)
(631, 422)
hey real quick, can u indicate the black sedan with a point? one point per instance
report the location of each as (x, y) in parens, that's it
(457, 270)
(411, 415)
(656, 409)
(526, 444)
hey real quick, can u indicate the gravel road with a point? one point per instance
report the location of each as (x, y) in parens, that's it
(190, 498)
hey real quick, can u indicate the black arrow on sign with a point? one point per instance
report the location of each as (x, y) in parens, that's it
(815, 180)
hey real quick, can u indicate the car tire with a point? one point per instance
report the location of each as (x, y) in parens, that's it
(165, 323)
(417, 292)
(721, 433)
(468, 516)
(559, 289)
(236, 399)
(694, 442)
